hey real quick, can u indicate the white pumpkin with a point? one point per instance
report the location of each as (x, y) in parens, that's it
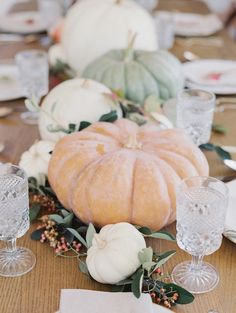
(72, 102)
(94, 27)
(35, 161)
(113, 255)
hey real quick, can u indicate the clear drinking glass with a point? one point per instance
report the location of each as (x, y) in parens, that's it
(14, 221)
(34, 71)
(164, 24)
(195, 110)
(201, 210)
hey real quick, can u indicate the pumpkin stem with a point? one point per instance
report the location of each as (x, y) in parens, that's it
(100, 242)
(129, 52)
(118, 1)
(85, 83)
(133, 143)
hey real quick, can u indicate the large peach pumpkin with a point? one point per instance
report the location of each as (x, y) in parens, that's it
(109, 173)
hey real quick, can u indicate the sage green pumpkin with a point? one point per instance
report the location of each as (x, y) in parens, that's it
(138, 74)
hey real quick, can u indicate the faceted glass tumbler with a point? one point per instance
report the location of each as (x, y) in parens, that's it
(14, 221)
(195, 110)
(201, 211)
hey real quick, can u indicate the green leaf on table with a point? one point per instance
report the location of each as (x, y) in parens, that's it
(65, 213)
(83, 125)
(219, 129)
(145, 255)
(163, 258)
(90, 234)
(36, 235)
(117, 288)
(83, 267)
(127, 281)
(224, 155)
(68, 219)
(185, 297)
(72, 127)
(34, 211)
(56, 218)
(137, 118)
(220, 151)
(147, 232)
(137, 283)
(56, 128)
(148, 266)
(77, 236)
(207, 146)
(109, 117)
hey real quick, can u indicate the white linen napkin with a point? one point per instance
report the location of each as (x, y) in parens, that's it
(230, 222)
(87, 301)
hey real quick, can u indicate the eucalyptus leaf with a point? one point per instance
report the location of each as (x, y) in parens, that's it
(68, 236)
(72, 128)
(207, 146)
(137, 118)
(109, 117)
(56, 128)
(147, 232)
(162, 259)
(219, 129)
(68, 219)
(56, 218)
(145, 255)
(34, 211)
(137, 283)
(64, 212)
(78, 236)
(127, 281)
(83, 125)
(90, 234)
(148, 266)
(36, 235)
(83, 267)
(117, 288)
(185, 297)
(224, 155)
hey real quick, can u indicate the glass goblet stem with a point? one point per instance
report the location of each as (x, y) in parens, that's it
(10, 244)
(196, 262)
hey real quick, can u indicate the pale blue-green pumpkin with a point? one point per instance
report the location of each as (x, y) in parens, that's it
(138, 74)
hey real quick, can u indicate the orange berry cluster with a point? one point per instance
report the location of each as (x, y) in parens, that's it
(162, 297)
(46, 202)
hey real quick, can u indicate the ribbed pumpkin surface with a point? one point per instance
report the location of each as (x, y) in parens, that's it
(109, 173)
(138, 74)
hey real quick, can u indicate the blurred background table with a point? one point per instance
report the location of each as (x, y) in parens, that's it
(39, 291)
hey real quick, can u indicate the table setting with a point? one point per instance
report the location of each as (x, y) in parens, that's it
(117, 157)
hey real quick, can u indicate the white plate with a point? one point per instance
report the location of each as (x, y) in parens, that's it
(218, 76)
(22, 23)
(189, 25)
(156, 309)
(230, 222)
(10, 88)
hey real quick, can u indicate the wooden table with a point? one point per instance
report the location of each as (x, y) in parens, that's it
(39, 290)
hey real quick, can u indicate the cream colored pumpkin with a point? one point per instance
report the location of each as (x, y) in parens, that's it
(94, 27)
(110, 173)
(113, 255)
(73, 101)
(35, 160)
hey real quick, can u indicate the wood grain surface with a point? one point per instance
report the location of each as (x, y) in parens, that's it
(39, 290)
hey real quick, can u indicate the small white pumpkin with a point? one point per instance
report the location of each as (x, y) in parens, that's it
(35, 160)
(72, 102)
(113, 255)
(94, 27)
